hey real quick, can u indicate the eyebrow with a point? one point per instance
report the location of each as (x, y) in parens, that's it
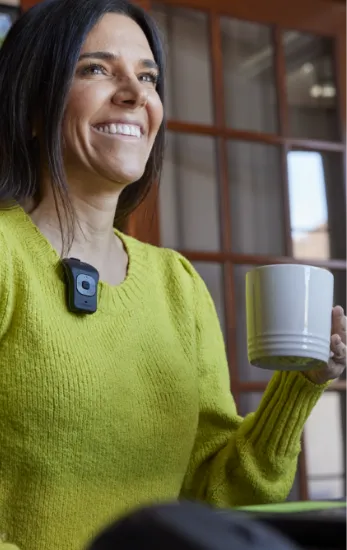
(108, 56)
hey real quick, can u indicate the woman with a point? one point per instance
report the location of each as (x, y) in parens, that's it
(103, 413)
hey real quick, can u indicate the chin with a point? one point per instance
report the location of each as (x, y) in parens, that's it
(126, 177)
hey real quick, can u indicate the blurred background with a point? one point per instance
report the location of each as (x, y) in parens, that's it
(254, 172)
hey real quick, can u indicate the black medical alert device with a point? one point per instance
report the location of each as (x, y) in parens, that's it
(81, 286)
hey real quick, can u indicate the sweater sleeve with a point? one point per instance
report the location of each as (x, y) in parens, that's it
(242, 461)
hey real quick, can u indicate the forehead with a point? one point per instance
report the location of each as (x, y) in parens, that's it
(118, 34)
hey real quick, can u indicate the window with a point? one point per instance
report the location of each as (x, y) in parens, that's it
(254, 170)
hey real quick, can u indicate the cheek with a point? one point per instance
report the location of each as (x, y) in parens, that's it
(77, 107)
(156, 114)
(83, 101)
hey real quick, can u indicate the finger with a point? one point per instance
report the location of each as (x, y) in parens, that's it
(338, 348)
(338, 313)
(339, 322)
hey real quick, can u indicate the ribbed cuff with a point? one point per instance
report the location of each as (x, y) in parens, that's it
(276, 427)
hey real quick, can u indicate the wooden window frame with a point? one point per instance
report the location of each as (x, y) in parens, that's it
(298, 17)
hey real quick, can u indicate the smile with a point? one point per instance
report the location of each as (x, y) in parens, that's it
(119, 129)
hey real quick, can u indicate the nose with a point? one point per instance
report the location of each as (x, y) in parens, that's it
(130, 93)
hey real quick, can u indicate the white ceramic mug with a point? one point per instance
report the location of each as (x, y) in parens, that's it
(289, 316)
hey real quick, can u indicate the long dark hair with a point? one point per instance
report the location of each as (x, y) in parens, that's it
(37, 65)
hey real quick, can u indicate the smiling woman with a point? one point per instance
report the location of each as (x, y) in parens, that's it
(113, 111)
(103, 413)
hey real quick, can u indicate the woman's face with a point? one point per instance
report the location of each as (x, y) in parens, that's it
(113, 111)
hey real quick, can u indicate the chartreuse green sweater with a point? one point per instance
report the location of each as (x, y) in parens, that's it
(103, 413)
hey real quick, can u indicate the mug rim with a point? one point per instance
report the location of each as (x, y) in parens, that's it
(282, 265)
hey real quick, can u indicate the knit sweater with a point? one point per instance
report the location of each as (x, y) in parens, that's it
(103, 413)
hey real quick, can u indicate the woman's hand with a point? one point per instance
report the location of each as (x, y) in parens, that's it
(337, 361)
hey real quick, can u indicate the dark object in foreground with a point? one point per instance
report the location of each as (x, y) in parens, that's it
(316, 529)
(188, 526)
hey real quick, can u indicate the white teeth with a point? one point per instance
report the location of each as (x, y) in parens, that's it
(122, 129)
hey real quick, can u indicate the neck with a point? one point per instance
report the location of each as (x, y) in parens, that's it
(94, 239)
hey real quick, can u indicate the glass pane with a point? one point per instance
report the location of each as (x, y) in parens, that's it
(212, 274)
(317, 204)
(324, 438)
(326, 489)
(188, 71)
(8, 15)
(247, 372)
(339, 288)
(294, 495)
(249, 76)
(249, 402)
(189, 209)
(326, 447)
(311, 87)
(256, 200)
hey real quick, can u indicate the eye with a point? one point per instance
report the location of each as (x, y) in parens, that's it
(150, 77)
(93, 69)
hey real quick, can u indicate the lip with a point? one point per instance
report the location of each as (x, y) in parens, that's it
(120, 121)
